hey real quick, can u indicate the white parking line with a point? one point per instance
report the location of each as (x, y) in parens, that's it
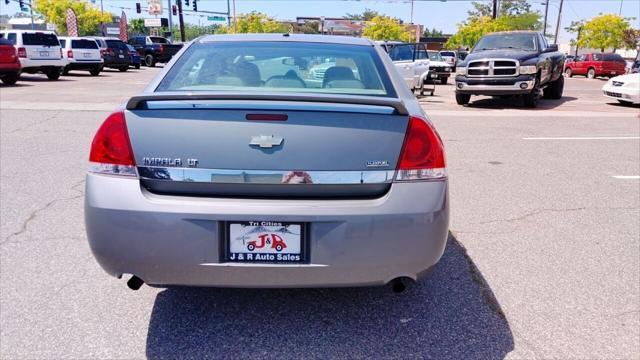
(585, 138)
(627, 177)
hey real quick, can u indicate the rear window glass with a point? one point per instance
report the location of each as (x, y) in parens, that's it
(158, 40)
(613, 57)
(279, 66)
(116, 44)
(63, 42)
(83, 44)
(448, 53)
(402, 52)
(40, 39)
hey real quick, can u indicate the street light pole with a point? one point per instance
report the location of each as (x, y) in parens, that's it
(170, 9)
(495, 8)
(555, 38)
(31, 11)
(546, 12)
(181, 20)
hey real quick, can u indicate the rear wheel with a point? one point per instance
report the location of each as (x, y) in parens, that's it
(150, 60)
(137, 66)
(94, 72)
(444, 80)
(463, 99)
(53, 73)
(591, 74)
(65, 71)
(123, 68)
(554, 90)
(568, 72)
(10, 79)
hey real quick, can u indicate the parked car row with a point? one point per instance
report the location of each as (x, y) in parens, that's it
(35, 51)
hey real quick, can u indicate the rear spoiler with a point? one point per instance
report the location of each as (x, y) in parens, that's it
(138, 102)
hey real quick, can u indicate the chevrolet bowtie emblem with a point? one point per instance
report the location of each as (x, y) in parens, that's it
(266, 141)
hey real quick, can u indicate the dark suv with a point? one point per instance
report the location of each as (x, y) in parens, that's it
(114, 52)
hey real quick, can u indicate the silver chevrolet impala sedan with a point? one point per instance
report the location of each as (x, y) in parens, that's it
(269, 161)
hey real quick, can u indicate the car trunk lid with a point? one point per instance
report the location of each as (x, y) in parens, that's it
(260, 148)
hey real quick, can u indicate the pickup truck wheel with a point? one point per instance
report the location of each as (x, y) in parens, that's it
(94, 72)
(137, 66)
(554, 90)
(463, 99)
(568, 72)
(591, 74)
(124, 68)
(531, 99)
(150, 60)
(444, 80)
(53, 73)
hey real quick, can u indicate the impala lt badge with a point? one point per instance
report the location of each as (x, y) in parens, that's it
(266, 141)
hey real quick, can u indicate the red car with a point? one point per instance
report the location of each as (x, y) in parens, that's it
(9, 63)
(593, 65)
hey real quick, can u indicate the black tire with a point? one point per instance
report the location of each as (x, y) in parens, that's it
(444, 80)
(463, 99)
(251, 247)
(123, 68)
(591, 73)
(94, 72)
(150, 60)
(65, 71)
(278, 248)
(137, 66)
(568, 72)
(555, 89)
(53, 73)
(10, 79)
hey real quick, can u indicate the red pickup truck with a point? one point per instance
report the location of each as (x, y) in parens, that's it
(593, 65)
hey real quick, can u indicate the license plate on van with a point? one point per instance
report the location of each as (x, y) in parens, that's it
(44, 54)
(265, 242)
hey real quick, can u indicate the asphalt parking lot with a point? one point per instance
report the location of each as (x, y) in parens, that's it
(543, 259)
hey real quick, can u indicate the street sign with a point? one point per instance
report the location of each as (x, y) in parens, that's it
(113, 30)
(216, 18)
(155, 7)
(153, 22)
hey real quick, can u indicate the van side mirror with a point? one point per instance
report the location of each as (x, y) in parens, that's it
(551, 48)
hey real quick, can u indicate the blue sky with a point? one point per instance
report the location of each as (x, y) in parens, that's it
(443, 15)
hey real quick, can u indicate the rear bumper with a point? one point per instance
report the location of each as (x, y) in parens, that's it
(10, 68)
(495, 86)
(84, 65)
(35, 64)
(169, 240)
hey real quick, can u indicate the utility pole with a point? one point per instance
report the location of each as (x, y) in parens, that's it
(228, 14)
(546, 12)
(494, 14)
(411, 12)
(31, 11)
(181, 20)
(170, 9)
(620, 11)
(578, 39)
(555, 38)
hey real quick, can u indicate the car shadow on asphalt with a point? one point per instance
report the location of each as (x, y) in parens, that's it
(40, 78)
(517, 102)
(451, 315)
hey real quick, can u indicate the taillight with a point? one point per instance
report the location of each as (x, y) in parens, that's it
(102, 53)
(70, 54)
(111, 151)
(422, 156)
(22, 52)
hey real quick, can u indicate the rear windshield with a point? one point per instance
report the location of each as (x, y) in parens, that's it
(279, 66)
(116, 44)
(84, 44)
(63, 42)
(40, 39)
(447, 53)
(613, 57)
(158, 40)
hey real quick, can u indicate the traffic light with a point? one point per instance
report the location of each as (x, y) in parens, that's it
(195, 5)
(138, 8)
(174, 10)
(186, 2)
(21, 2)
(7, 1)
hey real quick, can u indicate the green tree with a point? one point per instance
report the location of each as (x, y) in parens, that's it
(367, 15)
(507, 8)
(309, 27)
(387, 28)
(254, 22)
(470, 32)
(89, 17)
(136, 27)
(433, 33)
(604, 31)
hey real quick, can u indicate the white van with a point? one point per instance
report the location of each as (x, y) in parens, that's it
(81, 54)
(38, 51)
